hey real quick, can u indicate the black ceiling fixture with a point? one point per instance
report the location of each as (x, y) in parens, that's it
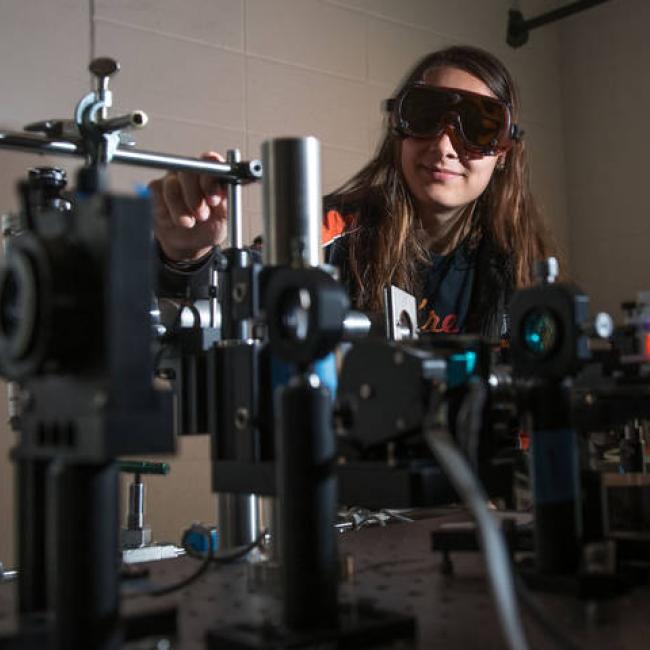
(519, 27)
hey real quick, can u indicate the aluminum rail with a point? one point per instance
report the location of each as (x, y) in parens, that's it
(239, 172)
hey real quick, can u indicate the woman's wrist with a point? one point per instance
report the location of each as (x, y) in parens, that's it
(183, 260)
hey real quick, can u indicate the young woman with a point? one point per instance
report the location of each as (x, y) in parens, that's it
(443, 210)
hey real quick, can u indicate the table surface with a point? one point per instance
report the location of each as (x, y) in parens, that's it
(395, 569)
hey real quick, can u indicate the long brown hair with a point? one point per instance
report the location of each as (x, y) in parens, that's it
(383, 246)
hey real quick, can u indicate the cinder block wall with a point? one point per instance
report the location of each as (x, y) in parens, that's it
(606, 89)
(217, 74)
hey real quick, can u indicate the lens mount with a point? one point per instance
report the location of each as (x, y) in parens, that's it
(541, 332)
(18, 307)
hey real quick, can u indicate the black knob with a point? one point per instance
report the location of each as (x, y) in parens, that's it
(46, 187)
(104, 66)
(51, 177)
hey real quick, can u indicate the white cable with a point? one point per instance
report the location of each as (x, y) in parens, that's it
(492, 541)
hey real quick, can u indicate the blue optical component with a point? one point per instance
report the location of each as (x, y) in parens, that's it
(541, 332)
(142, 190)
(325, 368)
(460, 367)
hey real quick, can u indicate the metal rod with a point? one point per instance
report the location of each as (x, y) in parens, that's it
(244, 171)
(356, 326)
(561, 12)
(10, 575)
(292, 202)
(39, 144)
(235, 220)
(240, 172)
(135, 119)
(135, 516)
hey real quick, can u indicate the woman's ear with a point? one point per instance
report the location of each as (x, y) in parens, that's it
(501, 162)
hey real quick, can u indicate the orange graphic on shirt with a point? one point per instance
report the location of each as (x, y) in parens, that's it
(435, 323)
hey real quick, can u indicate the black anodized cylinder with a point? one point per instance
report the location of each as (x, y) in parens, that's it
(307, 491)
(556, 480)
(83, 557)
(31, 488)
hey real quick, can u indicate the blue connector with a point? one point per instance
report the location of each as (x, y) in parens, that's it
(199, 540)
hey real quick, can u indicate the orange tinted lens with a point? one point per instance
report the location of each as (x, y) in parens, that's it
(424, 109)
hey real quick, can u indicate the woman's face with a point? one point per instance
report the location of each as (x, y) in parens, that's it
(437, 172)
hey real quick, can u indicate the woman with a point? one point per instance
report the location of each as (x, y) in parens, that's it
(443, 210)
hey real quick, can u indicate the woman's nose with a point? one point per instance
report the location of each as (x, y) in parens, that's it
(443, 144)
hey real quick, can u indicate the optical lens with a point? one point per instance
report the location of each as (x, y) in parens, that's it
(295, 315)
(479, 128)
(423, 109)
(11, 305)
(541, 332)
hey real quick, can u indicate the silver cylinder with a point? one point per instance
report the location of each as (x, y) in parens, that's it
(292, 201)
(268, 522)
(246, 171)
(235, 220)
(546, 271)
(356, 326)
(135, 517)
(238, 519)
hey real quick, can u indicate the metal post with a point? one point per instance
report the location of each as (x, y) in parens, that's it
(234, 205)
(237, 514)
(32, 534)
(135, 516)
(292, 202)
(238, 519)
(245, 171)
(556, 480)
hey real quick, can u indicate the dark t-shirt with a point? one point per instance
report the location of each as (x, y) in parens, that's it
(447, 292)
(467, 291)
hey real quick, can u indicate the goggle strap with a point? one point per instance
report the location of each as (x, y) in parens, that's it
(388, 105)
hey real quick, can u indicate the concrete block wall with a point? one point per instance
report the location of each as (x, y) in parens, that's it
(607, 106)
(217, 74)
(227, 73)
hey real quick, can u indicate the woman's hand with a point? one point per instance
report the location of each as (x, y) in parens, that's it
(189, 212)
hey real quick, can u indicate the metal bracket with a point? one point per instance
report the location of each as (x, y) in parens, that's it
(401, 314)
(519, 27)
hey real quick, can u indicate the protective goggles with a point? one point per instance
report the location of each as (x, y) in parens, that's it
(482, 124)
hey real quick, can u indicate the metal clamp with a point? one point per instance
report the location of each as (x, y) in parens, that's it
(100, 134)
(97, 138)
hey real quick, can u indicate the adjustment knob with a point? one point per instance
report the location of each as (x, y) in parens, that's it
(104, 66)
(48, 177)
(603, 325)
(547, 270)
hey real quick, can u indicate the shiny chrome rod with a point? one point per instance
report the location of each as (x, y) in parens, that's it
(244, 171)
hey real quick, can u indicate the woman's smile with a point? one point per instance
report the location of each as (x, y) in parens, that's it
(439, 173)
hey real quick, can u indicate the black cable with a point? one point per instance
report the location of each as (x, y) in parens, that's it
(209, 559)
(181, 584)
